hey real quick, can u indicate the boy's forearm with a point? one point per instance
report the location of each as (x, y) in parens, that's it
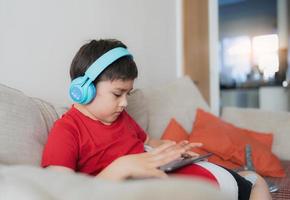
(108, 175)
(113, 172)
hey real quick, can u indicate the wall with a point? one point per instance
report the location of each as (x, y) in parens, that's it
(38, 40)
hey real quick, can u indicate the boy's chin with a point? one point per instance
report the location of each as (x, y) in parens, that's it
(110, 121)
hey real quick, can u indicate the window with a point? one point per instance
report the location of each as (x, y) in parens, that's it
(247, 59)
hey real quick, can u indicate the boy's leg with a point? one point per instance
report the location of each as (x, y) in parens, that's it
(227, 182)
(260, 188)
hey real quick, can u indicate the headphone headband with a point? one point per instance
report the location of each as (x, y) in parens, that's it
(104, 61)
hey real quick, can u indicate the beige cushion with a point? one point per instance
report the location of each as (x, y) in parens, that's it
(138, 108)
(24, 124)
(266, 121)
(178, 99)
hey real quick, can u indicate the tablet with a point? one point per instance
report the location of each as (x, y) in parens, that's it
(182, 162)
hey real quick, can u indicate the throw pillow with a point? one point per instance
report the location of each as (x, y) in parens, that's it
(228, 142)
(175, 132)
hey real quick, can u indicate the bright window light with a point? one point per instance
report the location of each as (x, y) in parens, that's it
(243, 57)
(265, 52)
(236, 57)
(265, 43)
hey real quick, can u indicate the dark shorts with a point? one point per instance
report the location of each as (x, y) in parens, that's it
(244, 186)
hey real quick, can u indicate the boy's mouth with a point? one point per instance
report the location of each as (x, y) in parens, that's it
(118, 113)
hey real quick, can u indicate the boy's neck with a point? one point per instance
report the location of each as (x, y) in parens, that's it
(87, 113)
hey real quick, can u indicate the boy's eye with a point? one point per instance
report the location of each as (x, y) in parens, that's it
(117, 95)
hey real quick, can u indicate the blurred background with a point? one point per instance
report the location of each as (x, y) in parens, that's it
(253, 53)
(235, 51)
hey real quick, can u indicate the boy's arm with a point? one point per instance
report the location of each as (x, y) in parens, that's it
(141, 165)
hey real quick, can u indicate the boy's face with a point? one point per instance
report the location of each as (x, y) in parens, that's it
(110, 100)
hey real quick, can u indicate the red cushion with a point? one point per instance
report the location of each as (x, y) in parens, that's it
(175, 132)
(228, 142)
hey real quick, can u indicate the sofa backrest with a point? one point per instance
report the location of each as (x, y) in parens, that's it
(24, 124)
(178, 99)
(25, 121)
(138, 108)
(276, 122)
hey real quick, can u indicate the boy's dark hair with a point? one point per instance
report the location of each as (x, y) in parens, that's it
(124, 68)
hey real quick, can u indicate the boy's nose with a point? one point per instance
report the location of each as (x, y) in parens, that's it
(124, 102)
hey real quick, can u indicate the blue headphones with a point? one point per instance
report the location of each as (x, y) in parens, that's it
(82, 90)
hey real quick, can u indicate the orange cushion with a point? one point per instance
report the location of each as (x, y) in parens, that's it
(228, 142)
(175, 132)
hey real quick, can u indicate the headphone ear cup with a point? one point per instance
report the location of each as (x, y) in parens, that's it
(91, 93)
(77, 91)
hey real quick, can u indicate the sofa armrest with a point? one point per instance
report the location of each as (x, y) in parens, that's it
(277, 123)
(27, 182)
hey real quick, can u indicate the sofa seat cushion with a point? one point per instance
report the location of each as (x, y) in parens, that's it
(24, 125)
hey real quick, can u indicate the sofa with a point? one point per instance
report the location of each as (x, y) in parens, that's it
(25, 123)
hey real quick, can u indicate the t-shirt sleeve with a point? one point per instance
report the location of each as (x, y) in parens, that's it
(141, 134)
(61, 148)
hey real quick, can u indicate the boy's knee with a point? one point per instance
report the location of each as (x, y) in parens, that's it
(254, 178)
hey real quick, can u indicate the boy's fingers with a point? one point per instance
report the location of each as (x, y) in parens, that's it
(196, 144)
(158, 173)
(151, 173)
(173, 154)
(183, 142)
(190, 154)
(187, 144)
(165, 158)
(163, 147)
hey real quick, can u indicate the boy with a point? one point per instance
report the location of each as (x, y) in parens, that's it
(97, 136)
(94, 134)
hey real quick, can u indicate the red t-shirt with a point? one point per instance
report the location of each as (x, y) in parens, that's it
(86, 145)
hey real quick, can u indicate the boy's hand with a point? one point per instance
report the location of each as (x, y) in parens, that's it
(185, 144)
(145, 164)
(188, 148)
